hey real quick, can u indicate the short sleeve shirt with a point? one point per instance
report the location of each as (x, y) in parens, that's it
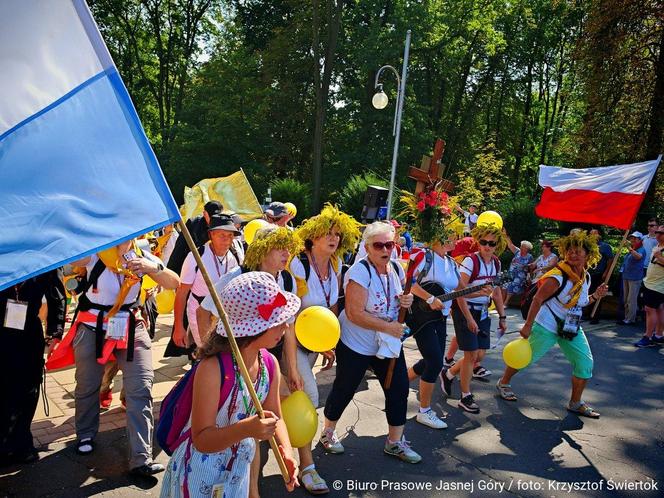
(555, 306)
(382, 301)
(444, 272)
(486, 273)
(318, 293)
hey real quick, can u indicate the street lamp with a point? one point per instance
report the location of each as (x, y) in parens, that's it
(380, 101)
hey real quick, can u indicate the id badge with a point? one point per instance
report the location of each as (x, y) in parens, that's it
(572, 320)
(218, 491)
(16, 314)
(118, 326)
(484, 314)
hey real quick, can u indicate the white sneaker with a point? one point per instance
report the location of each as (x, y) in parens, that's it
(430, 419)
(330, 441)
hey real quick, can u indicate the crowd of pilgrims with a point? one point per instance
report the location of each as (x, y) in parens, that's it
(331, 260)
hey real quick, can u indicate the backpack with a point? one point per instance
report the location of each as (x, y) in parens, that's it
(428, 263)
(175, 409)
(528, 296)
(476, 266)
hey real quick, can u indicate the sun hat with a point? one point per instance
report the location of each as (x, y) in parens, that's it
(222, 222)
(254, 302)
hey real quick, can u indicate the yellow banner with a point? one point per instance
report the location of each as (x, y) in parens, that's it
(234, 192)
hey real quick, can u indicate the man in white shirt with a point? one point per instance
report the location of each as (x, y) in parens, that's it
(470, 218)
(219, 257)
(649, 241)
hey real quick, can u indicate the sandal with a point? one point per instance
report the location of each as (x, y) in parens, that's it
(583, 410)
(505, 392)
(313, 483)
(85, 446)
(480, 372)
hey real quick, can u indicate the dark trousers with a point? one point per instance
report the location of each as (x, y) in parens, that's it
(22, 363)
(351, 367)
(430, 341)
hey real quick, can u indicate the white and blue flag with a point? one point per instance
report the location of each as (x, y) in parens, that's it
(77, 173)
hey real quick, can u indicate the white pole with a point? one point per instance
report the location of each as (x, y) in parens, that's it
(395, 152)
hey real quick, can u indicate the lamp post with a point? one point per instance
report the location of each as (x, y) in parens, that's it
(380, 101)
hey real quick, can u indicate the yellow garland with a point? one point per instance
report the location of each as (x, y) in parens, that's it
(580, 239)
(481, 231)
(330, 217)
(270, 238)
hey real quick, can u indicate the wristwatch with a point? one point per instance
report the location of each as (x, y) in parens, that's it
(160, 267)
(431, 299)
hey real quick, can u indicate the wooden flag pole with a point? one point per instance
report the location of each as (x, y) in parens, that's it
(231, 339)
(610, 272)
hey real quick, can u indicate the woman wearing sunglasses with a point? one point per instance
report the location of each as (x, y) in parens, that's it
(470, 314)
(371, 336)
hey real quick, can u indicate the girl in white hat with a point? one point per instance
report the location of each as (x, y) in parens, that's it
(216, 460)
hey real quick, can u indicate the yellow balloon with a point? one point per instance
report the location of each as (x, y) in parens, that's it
(317, 328)
(165, 301)
(490, 218)
(292, 210)
(251, 229)
(148, 283)
(518, 353)
(300, 417)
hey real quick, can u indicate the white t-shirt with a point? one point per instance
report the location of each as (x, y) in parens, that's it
(544, 316)
(540, 263)
(359, 339)
(444, 272)
(487, 270)
(216, 266)
(169, 246)
(315, 295)
(109, 283)
(208, 303)
(469, 219)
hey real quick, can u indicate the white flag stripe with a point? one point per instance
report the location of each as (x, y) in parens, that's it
(45, 53)
(626, 178)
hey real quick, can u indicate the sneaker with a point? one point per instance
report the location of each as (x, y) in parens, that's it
(645, 342)
(448, 363)
(430, 419)
(148, 470)
(446, 384)
(468, 403)
(105, 398)
(330, 441)
(402, 450)
(658, 340)
(481, 372)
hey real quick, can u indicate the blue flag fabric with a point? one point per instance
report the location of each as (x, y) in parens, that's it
(77, 173)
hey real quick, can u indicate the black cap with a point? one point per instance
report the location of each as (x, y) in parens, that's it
(213, 207)
(222, 222)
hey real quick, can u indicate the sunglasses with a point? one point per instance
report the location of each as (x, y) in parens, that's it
(379, 246)
(490, 243)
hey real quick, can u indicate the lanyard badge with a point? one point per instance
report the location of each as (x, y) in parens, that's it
(16, 314)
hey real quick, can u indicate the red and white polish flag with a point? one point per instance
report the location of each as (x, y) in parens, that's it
(610, 195)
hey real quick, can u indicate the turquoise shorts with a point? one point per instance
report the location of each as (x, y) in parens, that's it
(577, 351)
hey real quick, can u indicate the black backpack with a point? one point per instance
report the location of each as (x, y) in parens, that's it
(529, 294)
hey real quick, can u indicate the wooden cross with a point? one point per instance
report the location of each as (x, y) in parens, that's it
(430, 170)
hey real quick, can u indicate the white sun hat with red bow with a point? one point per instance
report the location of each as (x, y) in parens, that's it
(254, 302)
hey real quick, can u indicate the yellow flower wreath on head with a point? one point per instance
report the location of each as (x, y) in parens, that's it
(482, 231)
(321, 224)
(268, 238)
(580, 239)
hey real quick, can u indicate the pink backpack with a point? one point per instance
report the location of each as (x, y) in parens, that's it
(176, 407)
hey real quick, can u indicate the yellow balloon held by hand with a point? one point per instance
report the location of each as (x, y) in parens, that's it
(251, 229)
(165, 301)
(518, 353)
(317, 328)
(490, 218)
(300, 418)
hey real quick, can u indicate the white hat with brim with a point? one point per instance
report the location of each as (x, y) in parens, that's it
(254, 302)
(638, 235)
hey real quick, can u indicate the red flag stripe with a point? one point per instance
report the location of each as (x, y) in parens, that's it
(614, 209)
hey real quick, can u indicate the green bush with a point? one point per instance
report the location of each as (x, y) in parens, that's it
(291, 190)
(351, 199)
(520, 220)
